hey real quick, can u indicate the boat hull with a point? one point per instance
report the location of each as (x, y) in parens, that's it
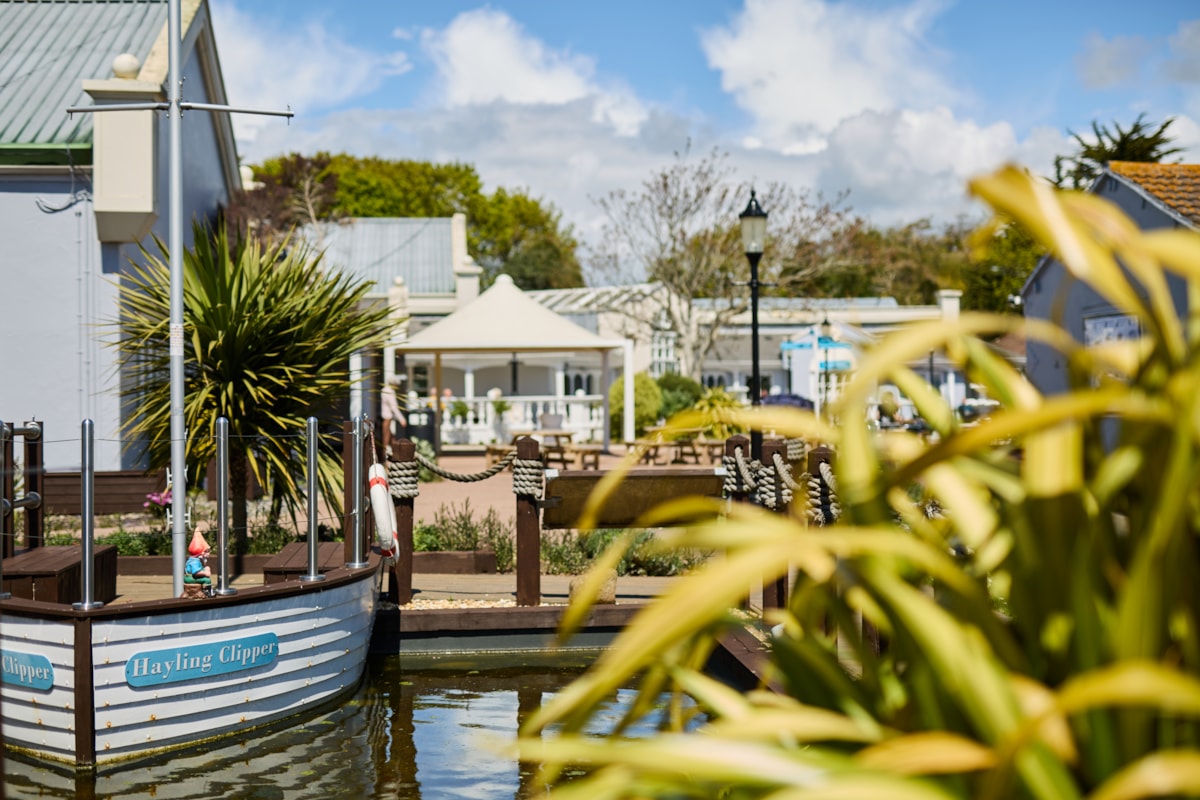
(121, 682)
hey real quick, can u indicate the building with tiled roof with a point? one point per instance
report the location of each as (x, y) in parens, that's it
(81, 193)
(1176, 187)
(1154, 197)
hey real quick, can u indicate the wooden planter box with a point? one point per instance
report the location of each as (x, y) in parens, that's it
(455, 562)
(54, 574)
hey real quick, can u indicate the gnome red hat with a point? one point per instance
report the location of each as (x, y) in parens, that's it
(198, 546)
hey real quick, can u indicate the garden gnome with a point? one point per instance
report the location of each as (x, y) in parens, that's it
(195, 569)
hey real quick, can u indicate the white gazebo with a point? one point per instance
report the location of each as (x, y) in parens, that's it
(503, 322)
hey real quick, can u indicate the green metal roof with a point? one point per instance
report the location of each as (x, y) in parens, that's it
(49, 48)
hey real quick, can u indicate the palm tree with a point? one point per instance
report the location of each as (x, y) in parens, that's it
(269, 335)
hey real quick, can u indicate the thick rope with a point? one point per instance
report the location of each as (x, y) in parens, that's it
(528, 476)
(795, 449)
(784, 469)
(774, 491)
(403, 479)
(737, 482)
(470, 477)
(823, 506)
(748, 469)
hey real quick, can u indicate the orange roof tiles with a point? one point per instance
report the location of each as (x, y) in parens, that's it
(1176, 185)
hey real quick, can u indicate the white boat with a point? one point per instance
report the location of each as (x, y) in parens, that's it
(124, 681)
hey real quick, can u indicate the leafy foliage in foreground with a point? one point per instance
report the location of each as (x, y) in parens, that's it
(1087, 687)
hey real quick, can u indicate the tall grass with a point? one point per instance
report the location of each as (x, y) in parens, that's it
(1086, 687)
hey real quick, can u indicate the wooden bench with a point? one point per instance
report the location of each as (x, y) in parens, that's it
(292, 561)
(587, 455)
(54, 574)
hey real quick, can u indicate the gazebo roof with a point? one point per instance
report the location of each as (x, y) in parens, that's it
(504, 320)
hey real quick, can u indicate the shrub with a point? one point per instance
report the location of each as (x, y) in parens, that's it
(130, 543)
(678, 393)
(1077, 513)
(456, 528)
(714, 410)
(647, 400)
(425, 449)
(573, 552)
(269, 538)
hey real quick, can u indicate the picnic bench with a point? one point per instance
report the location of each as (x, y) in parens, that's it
(292, 561)
(54, 574)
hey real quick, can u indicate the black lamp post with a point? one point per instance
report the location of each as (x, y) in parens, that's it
(754, 234)
(823, 336)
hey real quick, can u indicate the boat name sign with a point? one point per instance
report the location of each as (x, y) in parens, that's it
(201, 661)
(31, 670)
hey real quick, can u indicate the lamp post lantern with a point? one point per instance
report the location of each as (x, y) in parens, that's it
(754, 234)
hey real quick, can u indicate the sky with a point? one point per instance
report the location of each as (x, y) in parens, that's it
(899, 103)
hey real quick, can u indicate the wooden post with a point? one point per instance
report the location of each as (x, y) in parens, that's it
(35, 481)
(348, 490)
(731, 446)
(775, 593)
(529, 536)
(400, 585)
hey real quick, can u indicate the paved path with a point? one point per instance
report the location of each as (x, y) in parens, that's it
(492, 493)
(630, 589)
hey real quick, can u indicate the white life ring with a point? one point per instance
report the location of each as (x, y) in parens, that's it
(384, 511)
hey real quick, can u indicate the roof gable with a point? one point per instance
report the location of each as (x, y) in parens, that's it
(1174, 186)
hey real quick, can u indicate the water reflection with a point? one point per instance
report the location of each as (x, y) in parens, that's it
(407, 733)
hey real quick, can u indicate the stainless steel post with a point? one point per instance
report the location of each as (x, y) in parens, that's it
(223, 587)
(88, 516)
(5, 505)
(314, 573)
(356, 477)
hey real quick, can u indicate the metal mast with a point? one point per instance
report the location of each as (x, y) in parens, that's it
(175, 107)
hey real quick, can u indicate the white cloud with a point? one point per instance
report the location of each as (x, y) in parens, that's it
(904, 165)
(484, 56)
(267, 66)
(1106, 63)
(801, 67)
(1183, 64)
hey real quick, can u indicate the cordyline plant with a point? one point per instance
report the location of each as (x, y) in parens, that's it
(1039, 636)
(269, 335)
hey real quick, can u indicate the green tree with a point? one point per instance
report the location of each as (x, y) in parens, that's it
(269, 334)
(523, 237)
(1141, 141)
(1003, 256)
(508, 231)
(294, 191)
(907, 262)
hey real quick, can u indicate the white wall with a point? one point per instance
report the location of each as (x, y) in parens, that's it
(56, 292)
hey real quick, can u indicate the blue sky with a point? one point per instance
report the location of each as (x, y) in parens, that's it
(898, 102)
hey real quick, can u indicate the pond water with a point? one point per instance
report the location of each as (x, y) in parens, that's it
(426, 732)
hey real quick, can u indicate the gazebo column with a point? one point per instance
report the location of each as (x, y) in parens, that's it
(469, 383)
(560, 393)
